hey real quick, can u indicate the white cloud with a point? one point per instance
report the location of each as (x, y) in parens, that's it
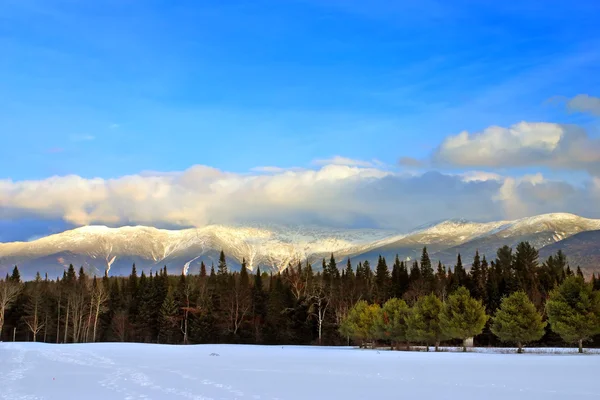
(585, 103)
(114, 126)
(274, 170)
(339, 160)
(332, 195)
(523, 144)
(474, 176)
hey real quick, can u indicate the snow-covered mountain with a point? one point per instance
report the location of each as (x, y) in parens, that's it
(99, 248)
(274, 247)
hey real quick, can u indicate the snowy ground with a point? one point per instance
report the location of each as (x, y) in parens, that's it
(136, 371)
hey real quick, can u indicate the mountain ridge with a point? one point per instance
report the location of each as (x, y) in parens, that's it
(99, 248)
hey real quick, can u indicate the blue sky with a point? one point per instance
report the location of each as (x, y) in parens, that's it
(233, 84)
(117, 87)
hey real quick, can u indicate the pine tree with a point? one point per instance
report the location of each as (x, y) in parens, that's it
(462, 316)
(579, 272)
(361, 322)
(390, 321)
(573, 311)
(518, 321)
(423, 322)
(202, 270)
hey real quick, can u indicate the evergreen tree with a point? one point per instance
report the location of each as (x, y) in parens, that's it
(415, 272)
(441, 281)
(169, 320)
(390, 322)
(459, 277)
(478, 278)
(382, 278)
(494, 295)
(361, 322)
(332, 268)
(222, 266)
(202, 269)
(462, 317)
(573, 311)
(427, 271)
(16, 275)
(504, 263)
(349, 270)
(423, 322)
(518, 321)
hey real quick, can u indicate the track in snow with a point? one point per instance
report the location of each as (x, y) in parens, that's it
(136, 371)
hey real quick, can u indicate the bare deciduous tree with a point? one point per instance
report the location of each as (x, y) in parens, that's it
(319, 303)
(9, 291)
(99, 299)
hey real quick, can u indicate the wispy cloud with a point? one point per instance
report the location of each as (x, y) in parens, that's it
(55, 150)
(585, 103)
(339, 160)
(410, 162)
(82, 138)
(114, 126)
(274, 170)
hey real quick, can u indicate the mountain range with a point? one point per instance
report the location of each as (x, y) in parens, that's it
(100, 249)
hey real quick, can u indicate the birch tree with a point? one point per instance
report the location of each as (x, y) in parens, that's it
(9, 290)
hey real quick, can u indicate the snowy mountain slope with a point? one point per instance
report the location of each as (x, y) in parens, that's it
(274, 247)
(540, 231)
(99, 248)
(582, 249)
(449, 238)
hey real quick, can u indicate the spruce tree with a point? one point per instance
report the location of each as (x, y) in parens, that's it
(16, 275)
(415, 272)
(222, 266)
(518, 321)
(441, 281)
(169, 320)
(382, 278)
(349, 270)
(573, 311)
(462, 317)
(477, 281)
(427, 271)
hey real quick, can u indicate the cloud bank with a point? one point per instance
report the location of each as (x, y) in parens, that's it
(524, 144)
(334, 195)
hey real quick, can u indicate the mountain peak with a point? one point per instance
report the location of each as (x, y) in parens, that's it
(271, 246)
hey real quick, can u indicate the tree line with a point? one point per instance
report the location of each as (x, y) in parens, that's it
(300, 305)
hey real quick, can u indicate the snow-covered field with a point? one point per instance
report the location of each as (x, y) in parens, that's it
(136, 371)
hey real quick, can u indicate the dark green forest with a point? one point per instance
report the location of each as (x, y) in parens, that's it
(304, 304)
